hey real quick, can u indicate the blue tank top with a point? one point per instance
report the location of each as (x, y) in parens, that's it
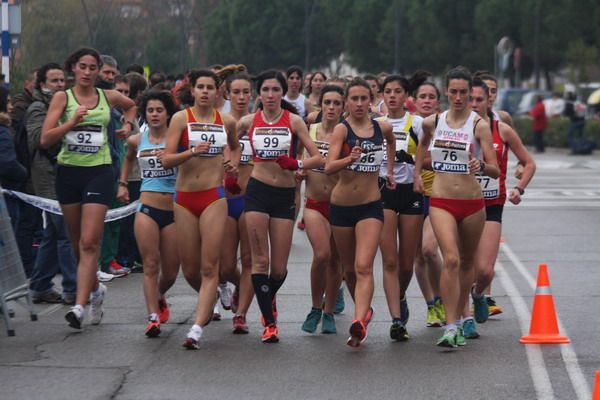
(154, 177)
(372, 149)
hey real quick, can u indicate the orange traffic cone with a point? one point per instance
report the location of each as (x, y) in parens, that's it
(596, 395)
(544, 326)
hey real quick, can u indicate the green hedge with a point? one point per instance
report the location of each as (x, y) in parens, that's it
(556, 134)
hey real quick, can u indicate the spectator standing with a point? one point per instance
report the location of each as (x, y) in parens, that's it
(539, 123)
(55, 253)
(575, 111)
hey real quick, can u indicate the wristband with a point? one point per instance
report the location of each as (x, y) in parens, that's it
(520, 190)
(300, 164)
(122, 183)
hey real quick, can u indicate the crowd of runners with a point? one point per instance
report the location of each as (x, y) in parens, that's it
(226, 161)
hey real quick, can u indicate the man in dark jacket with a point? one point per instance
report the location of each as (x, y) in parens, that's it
(55, 253)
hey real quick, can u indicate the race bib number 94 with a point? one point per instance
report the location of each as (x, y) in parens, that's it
(212, 133)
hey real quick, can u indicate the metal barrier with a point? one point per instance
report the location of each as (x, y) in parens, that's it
(13, 282)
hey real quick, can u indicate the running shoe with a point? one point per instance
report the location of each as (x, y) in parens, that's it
(193, 337)
(274, 308)
(312, 320)
(50, 297)
(75, 317)
(301, 224)
(469, 329)
(235, 300)
(117, 269)
(328, 325)
(398, 331)
(104, 277)
(448, 339)
(153, 328)
(339, 301)
(239, 324)
(460, 337)
(494, 308)
(271, 334)
(216, 313)
(96, 301)
(480, 308)
(441, 313)
(404, 313)
(163, 310)
(369, 316)
(225, 296)
(433, 318)
(358, 333)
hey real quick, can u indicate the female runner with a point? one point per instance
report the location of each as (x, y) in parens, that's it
(402, 207)
(325, 271)
(85, 177)
(457, 140)
(196, 139)
(428, 265)
(269, 201)
(494, 192)
(239, 89)
(356, 212)
(317, 80)
(154, 221)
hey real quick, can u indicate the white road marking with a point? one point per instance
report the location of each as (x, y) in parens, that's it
(580, 384)
(535, 357)
(51, 309)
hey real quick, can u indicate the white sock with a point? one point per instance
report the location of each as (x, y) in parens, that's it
(153, 317)
(197, 329)
(80, 308)
(450, 327)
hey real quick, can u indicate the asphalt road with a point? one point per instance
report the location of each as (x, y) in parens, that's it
(557, 224)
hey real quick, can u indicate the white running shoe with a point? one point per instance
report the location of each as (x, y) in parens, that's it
(75, 317)
(216, 313)
(225, 295)
(96, 301)
(193, 337)
(104, 277)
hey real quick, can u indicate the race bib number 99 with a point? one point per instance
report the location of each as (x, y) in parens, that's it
(270, 143)
(450, 156)
(214, 134)
(85, 139)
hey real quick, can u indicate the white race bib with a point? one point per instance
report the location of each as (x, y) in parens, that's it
(450, 156)
(215, 134)
(270, 143)
(370, 160)
(150, 165)
(490, 187)
(246, 157)
(86, 139)
(323, 148)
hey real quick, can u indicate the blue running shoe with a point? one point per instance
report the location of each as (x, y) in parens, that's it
(328, 325)
(469, 329)
(312, 320)
(404, 313)
(339, 301)
(480, 308)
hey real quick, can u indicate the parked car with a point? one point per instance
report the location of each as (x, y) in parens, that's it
(528, 100)
(509, 99)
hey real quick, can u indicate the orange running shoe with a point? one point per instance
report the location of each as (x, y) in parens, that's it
(153, 328)
(368, 317)
(163, 311)
(358, 333)
(239, 324)
(270, 335)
